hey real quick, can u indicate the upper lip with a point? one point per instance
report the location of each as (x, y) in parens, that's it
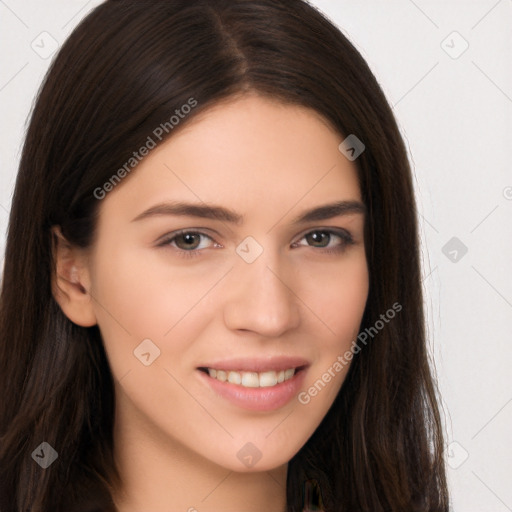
(257, 364)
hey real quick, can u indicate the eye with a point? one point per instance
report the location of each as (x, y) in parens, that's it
(322, 238)
(187, 242)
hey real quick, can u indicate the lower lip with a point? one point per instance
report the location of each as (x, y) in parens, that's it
(257, 399)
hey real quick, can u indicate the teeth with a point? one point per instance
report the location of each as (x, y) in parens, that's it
(289, 373)
(234, 378)
(221, 375)
(252, 379)
(268, 379)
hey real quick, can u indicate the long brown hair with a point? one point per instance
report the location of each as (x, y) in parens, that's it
(122, 72)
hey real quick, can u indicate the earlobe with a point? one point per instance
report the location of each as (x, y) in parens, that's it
(70, 281)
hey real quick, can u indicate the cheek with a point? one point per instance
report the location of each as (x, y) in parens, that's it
(131, 294)
(352, 301)
(139, 295)
(138, 292)
(133, 302)
(338, 295)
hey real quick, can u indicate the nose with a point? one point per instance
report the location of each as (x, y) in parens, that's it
(261, 298)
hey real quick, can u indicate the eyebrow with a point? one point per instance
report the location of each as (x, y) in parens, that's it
(215, 212)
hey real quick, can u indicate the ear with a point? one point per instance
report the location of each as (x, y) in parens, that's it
(71, 281)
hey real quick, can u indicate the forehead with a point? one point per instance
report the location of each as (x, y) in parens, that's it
(247, 153)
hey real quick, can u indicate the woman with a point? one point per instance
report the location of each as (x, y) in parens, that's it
(280, 364)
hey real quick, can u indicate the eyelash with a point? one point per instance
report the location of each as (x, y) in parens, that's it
(193, 253)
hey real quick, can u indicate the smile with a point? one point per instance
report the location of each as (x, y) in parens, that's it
(251, 379)
(264, 390)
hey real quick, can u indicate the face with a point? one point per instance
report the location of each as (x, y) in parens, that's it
(254, 292)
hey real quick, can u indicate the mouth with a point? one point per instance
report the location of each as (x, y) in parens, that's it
(264, 390)
(247, 379)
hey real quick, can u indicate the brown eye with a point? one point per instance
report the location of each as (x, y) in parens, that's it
(318, 237)
(322, 238)
(188, 241)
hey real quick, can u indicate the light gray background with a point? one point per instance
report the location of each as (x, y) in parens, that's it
(455, 113)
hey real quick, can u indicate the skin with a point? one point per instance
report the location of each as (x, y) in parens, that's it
(176, 441)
